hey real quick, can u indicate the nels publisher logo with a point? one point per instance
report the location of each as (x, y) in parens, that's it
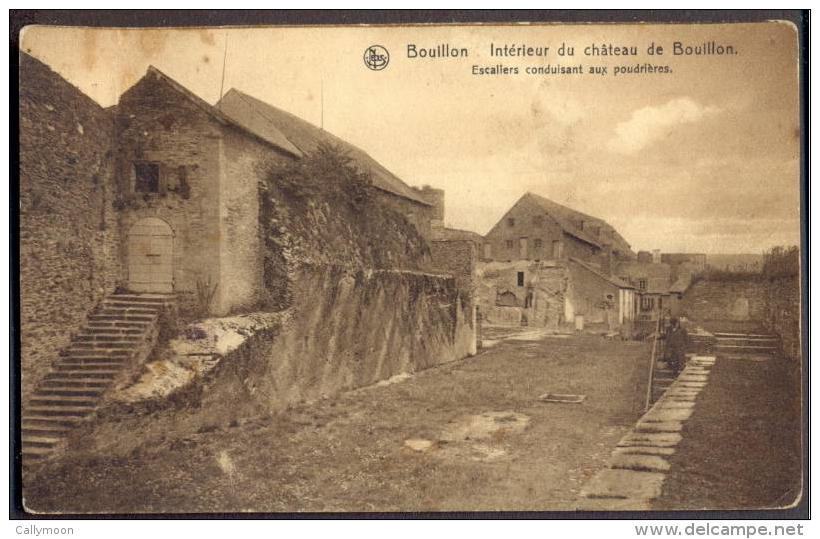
(376, 57)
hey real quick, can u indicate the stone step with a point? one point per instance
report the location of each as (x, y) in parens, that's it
(55, 431)
(103, 338)
(103, 345)
(738, 347)
(126, 311)
(35, 453)
(745, 335)
(100, 374)
(107, 367)
(79, 383)
(101, 352)
(112, 325)
(68, 391)
(48, 421)
(142, 298)
(40, 441)
(68, 411)
(117, 318)
(113, 331)
(63, 401)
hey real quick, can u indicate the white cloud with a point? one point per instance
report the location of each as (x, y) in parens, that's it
(650, 123)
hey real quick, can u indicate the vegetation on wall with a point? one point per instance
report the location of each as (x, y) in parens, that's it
(322, 209)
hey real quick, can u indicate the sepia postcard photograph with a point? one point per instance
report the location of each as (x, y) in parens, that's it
(430, 267)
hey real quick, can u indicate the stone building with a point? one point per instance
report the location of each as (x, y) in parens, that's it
(536, 228)
(543, 264)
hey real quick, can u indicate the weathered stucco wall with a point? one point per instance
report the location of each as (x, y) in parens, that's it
(68, 232)
(590, 294)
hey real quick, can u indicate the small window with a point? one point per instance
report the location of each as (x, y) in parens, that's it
(538, 243)
(510, 221)
(488, 251)
(557, 249)
(147, 177)
(647, 303)
(520, 278)
(538, 220)
(508, 244)
(642, 284)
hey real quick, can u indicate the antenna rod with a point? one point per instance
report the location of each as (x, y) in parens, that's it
(224, 58)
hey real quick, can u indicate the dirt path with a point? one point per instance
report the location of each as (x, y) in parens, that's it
(349, 453)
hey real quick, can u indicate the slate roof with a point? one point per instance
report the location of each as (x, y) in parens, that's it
(570, 219)
(271, 123)
(620, 283)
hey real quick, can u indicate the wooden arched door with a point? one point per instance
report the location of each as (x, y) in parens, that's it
(150, 256)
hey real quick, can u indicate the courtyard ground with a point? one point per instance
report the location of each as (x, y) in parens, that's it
(741, 448)
(467, 436)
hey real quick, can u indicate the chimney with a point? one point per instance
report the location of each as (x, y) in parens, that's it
(656, 256)
(436, 198)
(644, 257)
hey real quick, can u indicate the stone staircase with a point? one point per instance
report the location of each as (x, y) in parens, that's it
(115, 337)
(753, 346)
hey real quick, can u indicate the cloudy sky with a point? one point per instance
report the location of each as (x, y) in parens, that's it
(702, 159)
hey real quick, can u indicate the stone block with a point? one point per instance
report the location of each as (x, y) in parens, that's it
(660, 426)
(644, 450)
(624, 484)
(638, 462)
(669, 414)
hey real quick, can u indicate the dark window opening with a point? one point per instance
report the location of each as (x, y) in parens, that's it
(641, 284)
(510, 221)
(147, 177)
(538, 220)
(508, 244)
(538, 243)
(520, 278)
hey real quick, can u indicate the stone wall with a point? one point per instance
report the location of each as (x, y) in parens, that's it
(781, 313)
(158, 124)
(589, 293)
(68, 232)
(540, 300)
(350, 329)
(724, 300)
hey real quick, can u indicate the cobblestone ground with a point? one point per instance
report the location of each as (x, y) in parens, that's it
(471, 435)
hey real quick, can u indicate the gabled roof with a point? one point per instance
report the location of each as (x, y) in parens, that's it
(681, 285)
(570, 220)
(620, 283)
(280, 143)
(268, 121)
(658, 276)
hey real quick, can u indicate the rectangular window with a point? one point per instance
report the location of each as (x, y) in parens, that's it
(488, 251)
(147, 175)
(510, 221)
(647, 303)
(520, 278)
(557, 249)
(642, 284)
(522, 248)
(508, 244)
(538, 243)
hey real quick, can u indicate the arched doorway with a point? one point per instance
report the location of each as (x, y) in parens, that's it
(150, 256)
